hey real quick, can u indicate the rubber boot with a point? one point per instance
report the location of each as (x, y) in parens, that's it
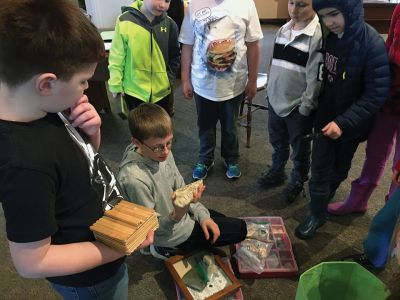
(357, 202)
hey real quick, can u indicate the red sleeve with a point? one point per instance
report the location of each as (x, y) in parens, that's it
(397, 166)
(393, 39)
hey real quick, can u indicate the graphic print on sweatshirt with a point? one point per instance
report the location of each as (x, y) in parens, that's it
(102, 178)
(217, 46)
(331, 62)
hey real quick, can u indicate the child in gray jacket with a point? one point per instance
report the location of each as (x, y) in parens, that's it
(292, 93)
(149, 177)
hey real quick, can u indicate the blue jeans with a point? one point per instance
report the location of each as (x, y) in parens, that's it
(290, 130)
(114, 288)
(208, 114)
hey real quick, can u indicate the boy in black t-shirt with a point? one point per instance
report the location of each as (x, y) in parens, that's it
(49, 175)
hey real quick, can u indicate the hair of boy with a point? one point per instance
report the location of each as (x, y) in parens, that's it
(45, 36)
(149, 120)
(352, 10)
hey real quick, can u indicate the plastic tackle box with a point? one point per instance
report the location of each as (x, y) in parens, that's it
(280, 260)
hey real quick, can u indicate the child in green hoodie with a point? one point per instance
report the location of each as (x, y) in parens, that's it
(144, 54)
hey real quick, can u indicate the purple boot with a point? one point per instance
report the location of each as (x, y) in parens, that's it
(357, 202)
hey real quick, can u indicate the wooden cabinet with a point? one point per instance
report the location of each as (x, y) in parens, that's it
(272, 9)
(378, 15)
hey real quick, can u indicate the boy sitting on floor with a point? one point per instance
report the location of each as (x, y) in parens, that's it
(149, 177)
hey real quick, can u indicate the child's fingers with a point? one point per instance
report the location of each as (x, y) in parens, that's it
(80, 107)
(206, 233)
(215, 231)
(83, 116)
(395, 177)
(83, 99)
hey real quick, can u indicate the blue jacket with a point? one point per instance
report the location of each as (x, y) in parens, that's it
(362, 85)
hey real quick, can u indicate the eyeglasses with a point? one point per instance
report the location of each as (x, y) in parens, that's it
(159, 148)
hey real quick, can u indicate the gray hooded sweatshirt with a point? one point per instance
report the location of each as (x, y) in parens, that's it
(150, 183)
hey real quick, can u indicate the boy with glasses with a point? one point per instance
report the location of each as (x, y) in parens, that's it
(149, 177)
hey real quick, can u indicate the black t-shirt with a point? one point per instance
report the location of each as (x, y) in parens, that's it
(46, 190)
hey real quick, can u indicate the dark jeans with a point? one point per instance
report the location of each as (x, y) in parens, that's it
(290, 130)
(232, 230)
(114, 288)
(133, 102)
(330, 165)
(208, 114)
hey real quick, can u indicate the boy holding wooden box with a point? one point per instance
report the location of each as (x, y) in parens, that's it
(51, 189)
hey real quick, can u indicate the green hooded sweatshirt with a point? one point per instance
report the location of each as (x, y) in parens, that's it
(144, 55)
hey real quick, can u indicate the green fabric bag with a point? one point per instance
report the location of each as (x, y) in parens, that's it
(340, 280)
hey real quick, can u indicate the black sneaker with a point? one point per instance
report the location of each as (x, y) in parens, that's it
(292, 191)
(362, 260)
(271, 177)
(162, 252)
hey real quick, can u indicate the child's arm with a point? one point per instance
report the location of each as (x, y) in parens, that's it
(393, 21)
(253, 58)
(332, 130)
(202, 215)
(309, 98)
(208, 225)
(174, 52)
(376, 82)
(41, 259)
(116, 62)
(140, 193)
(396, 173)
(84, 116)
(179, 212)
(186, 62)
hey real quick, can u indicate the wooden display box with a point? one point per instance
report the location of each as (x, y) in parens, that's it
(179, 265)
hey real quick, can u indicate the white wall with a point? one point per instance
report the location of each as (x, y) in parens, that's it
(105, 12)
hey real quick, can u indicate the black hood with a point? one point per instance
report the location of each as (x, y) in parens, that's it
(352, 11)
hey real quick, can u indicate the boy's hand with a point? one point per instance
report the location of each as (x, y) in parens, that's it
(396, 177)
(332, 130)
(84, 116)
(179, 212)
(208, 226)
(187, 89)
(148, 241)
(250, 91)
(197, 195)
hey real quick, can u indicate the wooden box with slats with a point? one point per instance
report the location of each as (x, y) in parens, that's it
(125, 226)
